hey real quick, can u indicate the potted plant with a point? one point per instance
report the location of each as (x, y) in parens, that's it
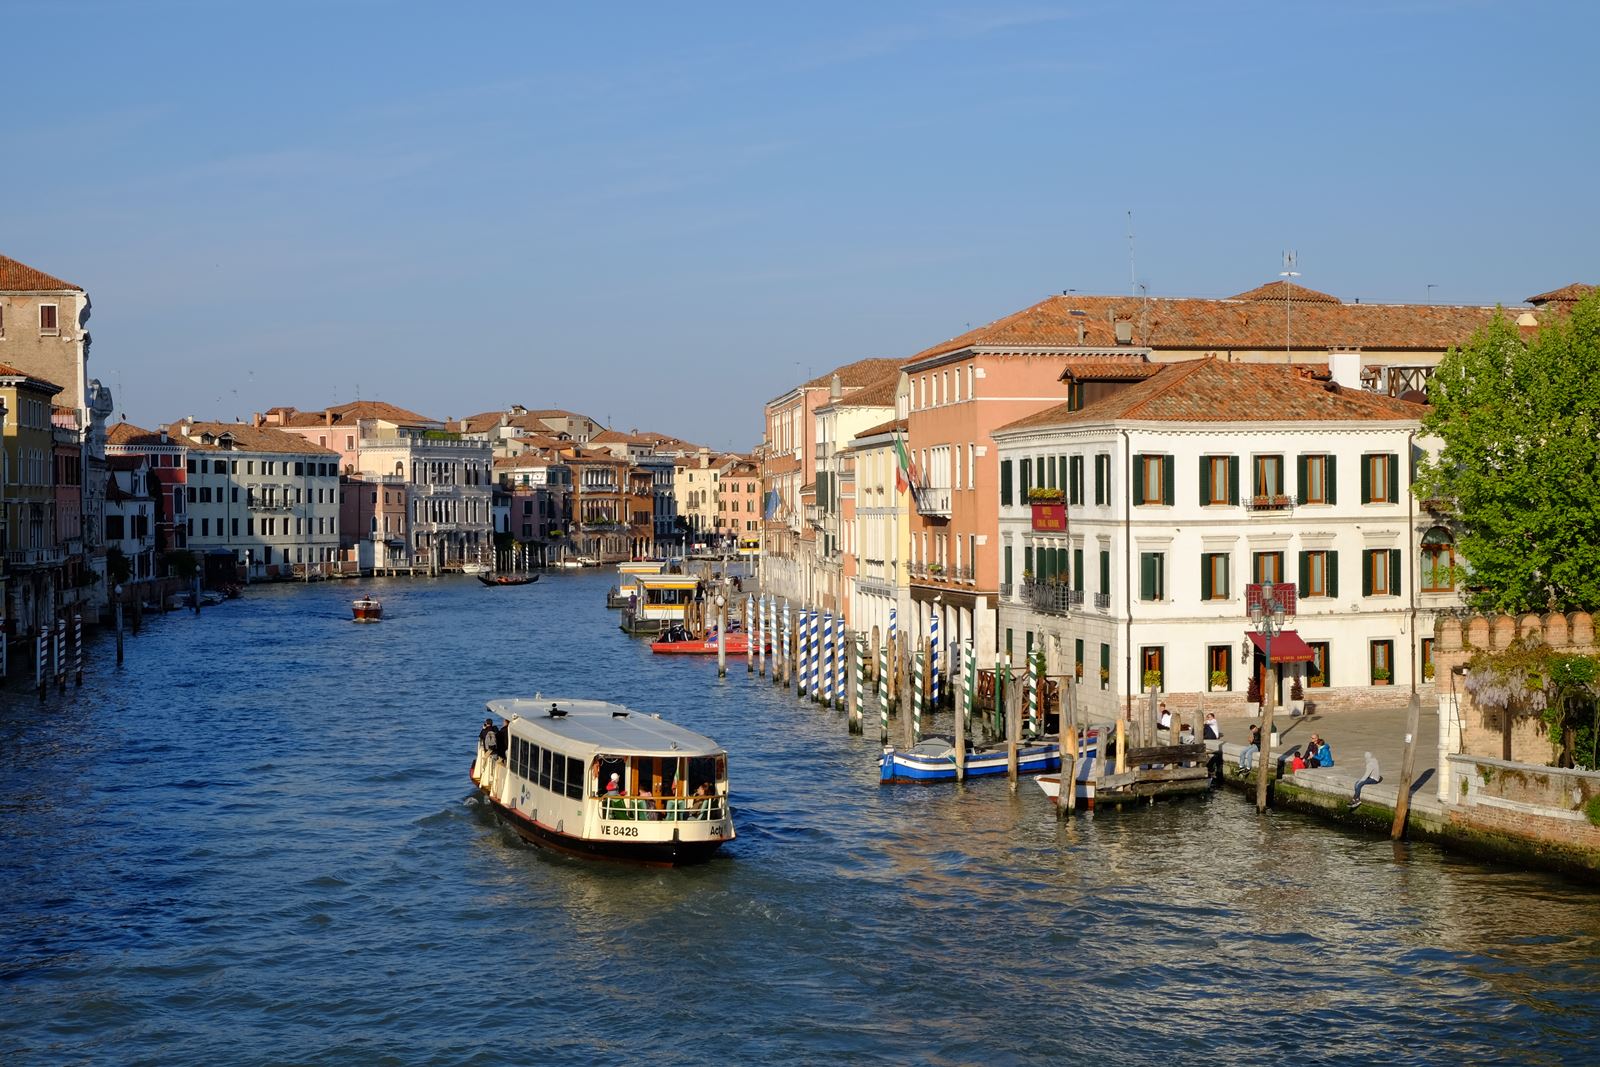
(1427, 672)
(1219, 681)
(1041, 494)
(1297, 698)
(1152, 679)
(1380, 676)
(1253, 696)
(1077, 671)
(1105, 677)
(936, 568)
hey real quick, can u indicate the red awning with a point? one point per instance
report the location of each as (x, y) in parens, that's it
(1286, 647)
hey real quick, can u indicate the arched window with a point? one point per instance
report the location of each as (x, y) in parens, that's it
(1438, 561)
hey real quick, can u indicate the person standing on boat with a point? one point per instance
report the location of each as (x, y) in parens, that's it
(488, 738)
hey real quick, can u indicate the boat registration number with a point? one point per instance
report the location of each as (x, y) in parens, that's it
(620, 831)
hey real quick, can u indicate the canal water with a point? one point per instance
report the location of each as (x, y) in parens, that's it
(256, 844)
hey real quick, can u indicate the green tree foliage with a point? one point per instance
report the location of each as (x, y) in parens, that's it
(1520, 425)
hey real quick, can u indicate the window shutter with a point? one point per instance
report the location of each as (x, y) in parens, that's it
(1027, 562)
(1302, 486)
(1330, 473)
(1333, 567)
(1005, 484)
(1027, 478)
(1226, 570)
(1147, 576)
(1233, 480)
(1008, 564)
(1366, 479)
(1366, 572)
(1305, 574)
(1138, 479)
(1205, 480)
(1205, 575)
(1074, 478)
(1168, 467)
(1077, 569)
(1394, 479)
(1394, 564)
(1105, 571)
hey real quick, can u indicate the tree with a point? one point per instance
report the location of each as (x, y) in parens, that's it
(1519, 423)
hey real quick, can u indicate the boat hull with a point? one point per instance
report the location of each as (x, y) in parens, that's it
(738, 645)
(366, 611)
(896, 766)
(647, 854)
(521, 579)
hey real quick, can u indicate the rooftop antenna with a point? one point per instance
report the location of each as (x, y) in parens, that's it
(1132, 285)
(1431, 287)
(1288, 274)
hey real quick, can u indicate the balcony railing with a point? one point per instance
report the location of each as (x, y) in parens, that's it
(1269, 502)
(1005, 590)
(934, 503)
(34, 557)
(1102, 601)
(964, 574)
(1053, 598)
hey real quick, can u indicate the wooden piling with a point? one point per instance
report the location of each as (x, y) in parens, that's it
(1122, 745)
(959, 679)
(1408, 766)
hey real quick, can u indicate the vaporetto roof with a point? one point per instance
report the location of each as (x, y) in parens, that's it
(597, 726)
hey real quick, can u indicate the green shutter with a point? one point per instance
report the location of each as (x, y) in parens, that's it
(1205, 480)
(1147, 576)
(1075, 480)
(1366, 572)
(1205, 576)
(1366, 480)
(1394, 570)
(1078, 651)
(1027, 562)
(1233, 480)
(1305, 574)
(1331, 473)
(1009, 557)
(1005, 483)
(1168, 467)
(1300, 479)
(1226, 591)
(1394, 479)
(1027, 478)
(1105, 657)
(1105, 571)
(1333, 567)
(1077, 571)
(1138, 479)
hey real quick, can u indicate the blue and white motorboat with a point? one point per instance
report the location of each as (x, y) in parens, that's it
(934, 760)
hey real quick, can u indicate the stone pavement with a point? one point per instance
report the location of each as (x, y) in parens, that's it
(1380, 731)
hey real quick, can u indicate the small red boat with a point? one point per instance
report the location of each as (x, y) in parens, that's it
(367, 609)
(676, 642)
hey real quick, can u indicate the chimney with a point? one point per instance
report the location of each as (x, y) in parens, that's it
(163, 435)
(327, 416)
(1080, 331)
(1124, 328)
(256, 419)
(835, 391)
(1344, 366)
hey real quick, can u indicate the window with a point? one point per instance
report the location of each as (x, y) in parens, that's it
(1105, 571)
(1380, 572)
(48, 324)
(1005, 483)
(1219, 480)
(1319, 573)
(1267, 567)
(1026, 467)
(1381, 657)
(1268, 478)
(1150, 659)
(1152, 479)
(1438, 561)
(1075, 480)
(1315, 475)
(1214, 576)
(1105, 666)
(349, 442)
(1077, 575)
(1380, 478)
(1152, 567)
(1102, 479)
(1317, 672)
(1077, 657)
(1219, 660)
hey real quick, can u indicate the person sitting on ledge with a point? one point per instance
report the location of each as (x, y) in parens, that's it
(1321, 755)
(1212, 730)
(1369, 777)
(1247, 756)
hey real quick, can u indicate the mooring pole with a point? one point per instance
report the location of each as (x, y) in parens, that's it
(1408, 764)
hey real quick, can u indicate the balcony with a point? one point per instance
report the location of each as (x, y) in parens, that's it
(1052, 598)
(965, 574)
(35, 557)
(1102, 601)
(933, 503)
(1269, 502)
(1005, 590)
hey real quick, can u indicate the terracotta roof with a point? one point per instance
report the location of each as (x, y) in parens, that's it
(377, 409)
(1108, 369)
(126, 433)
(486, 420)
(617, 437)
(1209, 324)
(249, 438)
(878, 395)
(20, 278)
(1213, 390)
(861, 373)
(1298, 294)
(8, 371)
(1567, 294)
(882, 427)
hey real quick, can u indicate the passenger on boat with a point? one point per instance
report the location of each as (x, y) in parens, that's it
(703, 799)
(502, 740)
(487, 737)
(647, 805)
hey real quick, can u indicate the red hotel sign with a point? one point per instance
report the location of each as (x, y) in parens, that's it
(1050, 518)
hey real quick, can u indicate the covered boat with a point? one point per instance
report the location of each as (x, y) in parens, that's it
(508, 579)
(678, 641)
(934, 760)
(367, 609)
(600, 780)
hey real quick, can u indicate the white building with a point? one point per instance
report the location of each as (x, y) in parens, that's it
(1181, 489)
(269, 499)
(130, 514)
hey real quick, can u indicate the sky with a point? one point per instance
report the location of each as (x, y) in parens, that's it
(664, 215)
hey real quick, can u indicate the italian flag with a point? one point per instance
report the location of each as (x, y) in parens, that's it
(905, 473)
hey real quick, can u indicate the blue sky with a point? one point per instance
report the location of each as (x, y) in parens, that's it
(662, 215)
